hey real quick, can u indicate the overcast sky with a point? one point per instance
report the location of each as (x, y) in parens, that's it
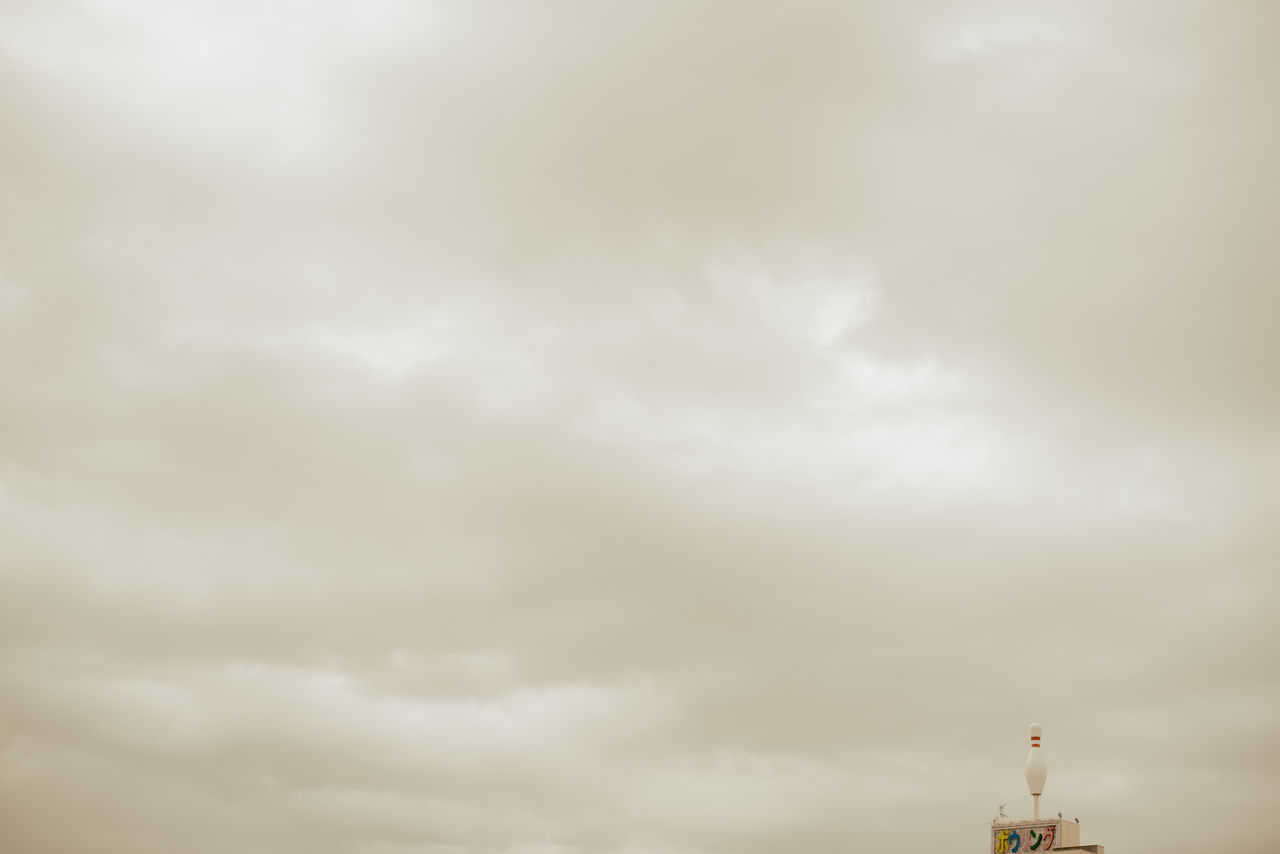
(652, 427)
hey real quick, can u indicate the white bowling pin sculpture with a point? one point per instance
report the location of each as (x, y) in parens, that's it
(1036, 769)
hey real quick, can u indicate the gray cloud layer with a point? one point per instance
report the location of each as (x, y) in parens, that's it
(639, 428)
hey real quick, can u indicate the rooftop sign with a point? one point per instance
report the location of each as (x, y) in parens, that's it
(1018, 837)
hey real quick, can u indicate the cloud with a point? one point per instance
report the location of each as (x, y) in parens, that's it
(667, 428)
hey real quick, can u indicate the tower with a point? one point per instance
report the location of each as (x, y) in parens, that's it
(1020, 836)
(1036, 770)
